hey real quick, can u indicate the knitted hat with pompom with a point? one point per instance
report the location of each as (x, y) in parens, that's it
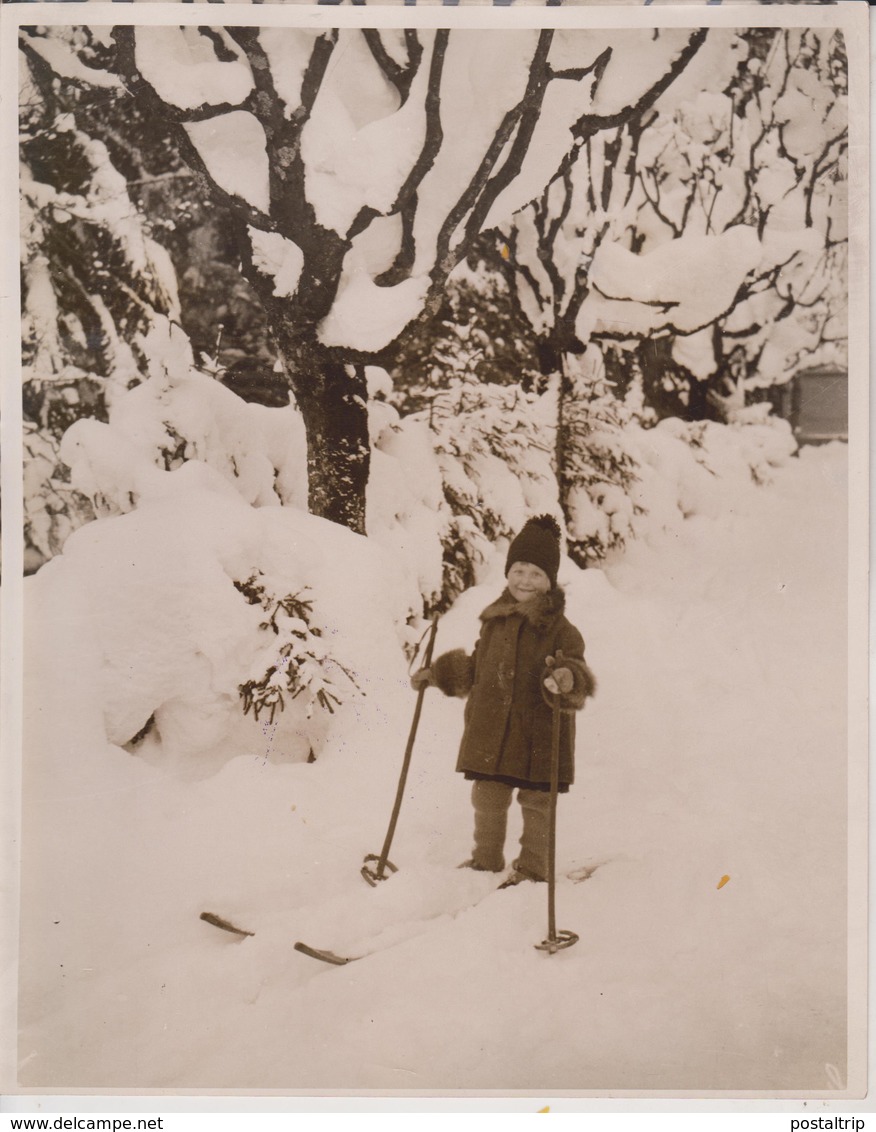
(538, 543)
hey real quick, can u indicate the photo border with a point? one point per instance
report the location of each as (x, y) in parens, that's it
(853, 19)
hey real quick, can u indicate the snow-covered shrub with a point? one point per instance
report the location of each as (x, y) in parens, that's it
(406, 511)
(752, 445)
(599, 470)
(182, 596)
(449, 485)
(767, 441)
(673, 485)
(494, 446)
(299, 662)
(476, 332)
(690, 470)
(53, 509)
(178, 414)
(464, 551)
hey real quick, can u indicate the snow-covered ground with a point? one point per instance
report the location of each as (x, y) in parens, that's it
(716, 748)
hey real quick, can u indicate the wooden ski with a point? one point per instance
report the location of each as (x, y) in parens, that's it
(325, 956)
(225, 925)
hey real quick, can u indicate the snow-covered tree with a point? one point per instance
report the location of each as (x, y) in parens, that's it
(741, 205)
(355, 189)
(704, 240)
(93, 283)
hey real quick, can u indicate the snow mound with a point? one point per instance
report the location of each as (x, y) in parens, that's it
(176, 632)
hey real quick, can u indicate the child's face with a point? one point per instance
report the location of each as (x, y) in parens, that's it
(526, 581)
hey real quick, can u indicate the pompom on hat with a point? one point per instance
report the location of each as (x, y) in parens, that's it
(539, 543)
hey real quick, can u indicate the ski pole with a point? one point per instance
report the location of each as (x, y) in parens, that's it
(555, 940)
(373, 875)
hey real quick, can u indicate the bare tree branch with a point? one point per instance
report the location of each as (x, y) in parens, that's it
(820, 167)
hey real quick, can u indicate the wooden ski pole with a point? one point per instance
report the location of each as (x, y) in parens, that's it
(555, 940)
(373, 875)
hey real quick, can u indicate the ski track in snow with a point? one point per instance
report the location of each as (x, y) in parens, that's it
(715, 747)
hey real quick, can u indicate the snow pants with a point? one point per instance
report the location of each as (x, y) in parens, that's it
(491, 801)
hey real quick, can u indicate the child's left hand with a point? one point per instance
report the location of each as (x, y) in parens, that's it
(560, 682)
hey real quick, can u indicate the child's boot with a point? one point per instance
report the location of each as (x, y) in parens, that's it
(491, 801)
(532, 864)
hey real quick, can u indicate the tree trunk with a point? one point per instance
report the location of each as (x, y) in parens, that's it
(333, 400)
(331, 395)
(552, 350)
(670, 389)
(334, 405)
(565, 392)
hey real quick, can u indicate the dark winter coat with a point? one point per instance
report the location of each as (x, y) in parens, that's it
(508, 719)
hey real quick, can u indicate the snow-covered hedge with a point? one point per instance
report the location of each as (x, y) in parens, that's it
(599, 464)
(467, 472)
(452, 484)
(494, 448)
(689, 469)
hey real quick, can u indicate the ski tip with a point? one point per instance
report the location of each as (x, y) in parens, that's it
(324, 956)
(585, 872)
(225, 925)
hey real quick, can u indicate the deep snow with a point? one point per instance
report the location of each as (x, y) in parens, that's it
(716, 748)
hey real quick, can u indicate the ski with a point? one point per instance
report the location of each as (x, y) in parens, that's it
(325, 956)
(332, 957)
(225, 925)
(586, 871)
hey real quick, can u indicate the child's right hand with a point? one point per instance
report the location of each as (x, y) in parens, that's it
(422, 678)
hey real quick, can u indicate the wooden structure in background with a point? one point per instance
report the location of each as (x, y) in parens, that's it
(816, 402)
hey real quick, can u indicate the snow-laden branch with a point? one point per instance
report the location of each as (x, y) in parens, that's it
(591, 123)
(217, 187)
(433, 138)
(58, 57)
(401, 75)
(480, 187)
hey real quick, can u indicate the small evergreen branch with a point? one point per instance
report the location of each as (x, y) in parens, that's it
(302, 666)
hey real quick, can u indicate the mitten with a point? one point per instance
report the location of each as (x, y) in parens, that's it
(560, 681)
(569, 678)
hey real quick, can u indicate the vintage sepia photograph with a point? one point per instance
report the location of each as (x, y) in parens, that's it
(442, 559)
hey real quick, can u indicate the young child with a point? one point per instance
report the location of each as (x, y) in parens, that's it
(527, 653)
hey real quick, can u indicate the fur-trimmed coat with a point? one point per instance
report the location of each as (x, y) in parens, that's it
(508, 719)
